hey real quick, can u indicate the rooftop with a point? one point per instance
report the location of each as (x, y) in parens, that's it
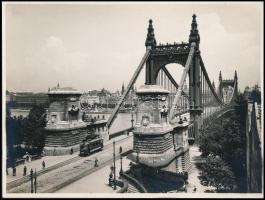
(151, 89)
(63, 90)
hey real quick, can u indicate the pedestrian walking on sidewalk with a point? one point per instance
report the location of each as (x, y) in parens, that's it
(43, 164)
(14, 171)
(96, 162)
(120, 149)
(25, 171)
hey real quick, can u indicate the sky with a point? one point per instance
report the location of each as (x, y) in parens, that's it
(95, 46)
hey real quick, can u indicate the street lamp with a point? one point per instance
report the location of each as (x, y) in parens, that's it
(137, 157)
(35, 181)
(121, 171)
(114, 165)
(132, 120)
(31, 180)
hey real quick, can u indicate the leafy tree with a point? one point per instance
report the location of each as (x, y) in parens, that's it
(256, 94)
(18, 134)
(33, 127)
(215, 172)
(226, 138)
(10, 135)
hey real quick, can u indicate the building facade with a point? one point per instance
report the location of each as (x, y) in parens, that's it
(65, 128)
(156, 143)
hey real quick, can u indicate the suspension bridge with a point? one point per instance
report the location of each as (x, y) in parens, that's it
(203, 101)
(162, 141)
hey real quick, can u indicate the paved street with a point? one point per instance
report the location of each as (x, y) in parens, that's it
(96, 182)
(59, 176)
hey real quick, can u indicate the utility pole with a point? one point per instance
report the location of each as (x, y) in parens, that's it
(35, 181)
(31, 180)
(114, 165)
(132, 119)
(121, 171)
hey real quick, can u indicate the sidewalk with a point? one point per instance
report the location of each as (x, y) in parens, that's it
(193, 179)
(49, 161)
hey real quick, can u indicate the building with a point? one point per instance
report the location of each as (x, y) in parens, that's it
(156, 144)
(28, 99)
(89, 101)
(65, 128)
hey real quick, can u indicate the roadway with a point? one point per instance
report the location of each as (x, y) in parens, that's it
(96, 182)
(67, 174)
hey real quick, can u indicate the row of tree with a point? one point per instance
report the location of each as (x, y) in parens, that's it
(223, 146)
(28, 131)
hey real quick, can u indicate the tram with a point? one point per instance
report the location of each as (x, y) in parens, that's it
(88, 147)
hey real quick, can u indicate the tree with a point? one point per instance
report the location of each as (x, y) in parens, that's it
(256, 94)
(215, 172)
(226, 138)
(33, 127)
(10, 135)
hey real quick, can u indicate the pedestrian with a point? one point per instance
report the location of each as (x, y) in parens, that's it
(194, 189)
(180, 120)
(120, 149)
(110, 179)
(43, 164)
(72, 151)
(43, 153)
(96, 162)
(14, 171)
(25, 171)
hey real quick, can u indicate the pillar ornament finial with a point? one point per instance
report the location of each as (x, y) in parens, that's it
(194, 33)
(150, 39)
(220, 76)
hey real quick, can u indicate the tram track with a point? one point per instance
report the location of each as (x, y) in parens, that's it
(81, 175)
(26, 179)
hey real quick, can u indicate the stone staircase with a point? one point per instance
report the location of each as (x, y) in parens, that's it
(132, 189)
(134, 186)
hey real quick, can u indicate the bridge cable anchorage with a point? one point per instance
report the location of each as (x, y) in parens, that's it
(132, 81)
(183, 77)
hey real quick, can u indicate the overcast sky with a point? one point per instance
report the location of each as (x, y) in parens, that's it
(95, 46)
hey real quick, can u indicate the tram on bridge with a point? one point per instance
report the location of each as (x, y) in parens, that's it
(91, 145)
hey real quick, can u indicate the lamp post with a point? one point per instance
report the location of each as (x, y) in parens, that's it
(35, 181)
(31, 180)
(132, 120)
(114, 166)
(121, 171)
(137, 157)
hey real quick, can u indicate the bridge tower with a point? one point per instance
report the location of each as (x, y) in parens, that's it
(162, 55)
(150, 43)
(194, 78)
(236, 83)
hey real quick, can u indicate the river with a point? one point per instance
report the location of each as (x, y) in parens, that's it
(122, 121)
